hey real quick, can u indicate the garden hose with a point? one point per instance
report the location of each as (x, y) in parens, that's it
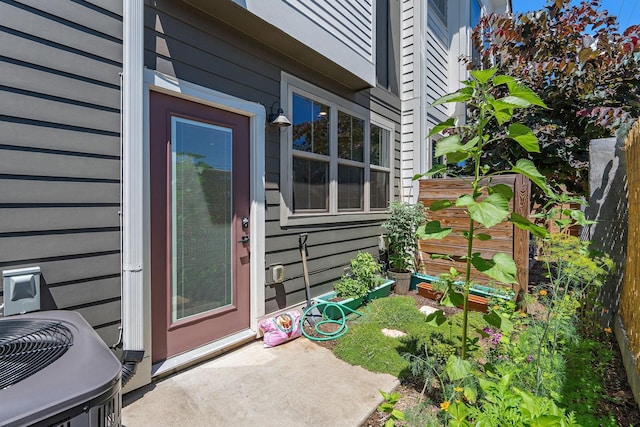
(342, 321)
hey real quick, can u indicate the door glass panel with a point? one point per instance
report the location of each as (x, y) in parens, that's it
(201, 220)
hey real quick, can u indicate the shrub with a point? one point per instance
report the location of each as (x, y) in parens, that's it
(365, 269)
(349, 287)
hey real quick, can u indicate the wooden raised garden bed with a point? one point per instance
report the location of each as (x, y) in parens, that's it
(476, 303)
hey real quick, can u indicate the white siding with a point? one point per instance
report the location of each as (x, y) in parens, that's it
(437, 70)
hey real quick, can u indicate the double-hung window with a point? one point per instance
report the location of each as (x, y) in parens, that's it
(335, 159)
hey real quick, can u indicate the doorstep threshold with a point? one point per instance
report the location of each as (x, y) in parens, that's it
(197, 355)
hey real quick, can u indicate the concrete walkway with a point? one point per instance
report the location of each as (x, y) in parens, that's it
(296, 384)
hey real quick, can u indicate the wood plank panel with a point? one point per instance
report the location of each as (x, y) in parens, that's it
(630, 294)
(505, 237)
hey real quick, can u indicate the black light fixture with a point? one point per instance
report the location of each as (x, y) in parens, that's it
(278, 118)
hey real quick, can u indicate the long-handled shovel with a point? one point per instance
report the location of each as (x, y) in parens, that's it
(314, 315)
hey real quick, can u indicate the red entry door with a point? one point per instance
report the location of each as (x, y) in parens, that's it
(200, 279)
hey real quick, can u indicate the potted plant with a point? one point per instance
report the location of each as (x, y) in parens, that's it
(367, 270)
(348, 292)
(402, 225)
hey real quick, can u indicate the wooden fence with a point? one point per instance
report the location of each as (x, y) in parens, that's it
(505, 237)
(630, 295)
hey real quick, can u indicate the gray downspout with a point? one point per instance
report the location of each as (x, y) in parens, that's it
(132, 186)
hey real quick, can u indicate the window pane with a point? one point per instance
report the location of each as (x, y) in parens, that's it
(379, 147)
(350, 188)
(440, 6)
(201, 217)
(350, 137)
(310, 185)
(379, 186)
(310, 125)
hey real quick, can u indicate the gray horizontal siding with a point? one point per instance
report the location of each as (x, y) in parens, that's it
(37, 191)
(27, 219)
(183, 42)
(79, 37)
(15, 247)
(60, 62)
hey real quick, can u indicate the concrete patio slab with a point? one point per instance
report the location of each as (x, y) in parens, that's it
(296, 384)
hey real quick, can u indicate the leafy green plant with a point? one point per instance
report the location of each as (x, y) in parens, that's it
(349, 287)
(365, 269)
(401, 226)
(495, 97)
(504, 405)
(388, 406)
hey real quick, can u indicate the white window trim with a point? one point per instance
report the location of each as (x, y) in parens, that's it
(289, 85)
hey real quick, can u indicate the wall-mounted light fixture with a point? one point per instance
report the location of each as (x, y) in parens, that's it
(278, 118)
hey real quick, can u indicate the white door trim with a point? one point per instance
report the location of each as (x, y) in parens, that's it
(159, 82)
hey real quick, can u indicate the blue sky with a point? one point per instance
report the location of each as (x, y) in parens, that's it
(627, 11)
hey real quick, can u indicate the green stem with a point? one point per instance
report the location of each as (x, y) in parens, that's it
(482, 120)
(467, 284)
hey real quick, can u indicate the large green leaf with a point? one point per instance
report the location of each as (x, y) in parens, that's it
(458, 412)
(497, 321)
(526, 94)
(527, 168)
(452, 299)
(515, 101)
(436, 169)
(432, 230)
(463, 95)
(447, 124)
(489, 212)
(524, 224)
(436, 318)
(448, 144)
(503, 116)
(438, 205)
(457, 157)
(503, 189)
(482, 237)
(472, 143)
(500, 267)
(483, 76)
(457, 368)
(524, 136)
(502, 79)
(580, 218)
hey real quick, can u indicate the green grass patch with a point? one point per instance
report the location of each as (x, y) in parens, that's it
(365, 345)
(584, 385)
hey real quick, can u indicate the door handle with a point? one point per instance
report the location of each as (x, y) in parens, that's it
(244, 239)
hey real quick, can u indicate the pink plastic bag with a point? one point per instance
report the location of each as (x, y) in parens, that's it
(281, 328)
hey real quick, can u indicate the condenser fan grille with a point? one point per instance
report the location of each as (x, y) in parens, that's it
(27, 346)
